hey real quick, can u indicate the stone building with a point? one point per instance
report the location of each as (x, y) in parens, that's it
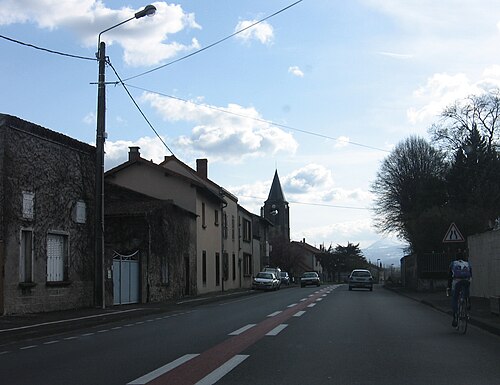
(150, 248)
(47, 184)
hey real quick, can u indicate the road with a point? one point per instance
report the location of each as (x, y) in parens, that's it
(325, 335)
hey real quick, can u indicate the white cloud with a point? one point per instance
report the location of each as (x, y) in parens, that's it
(151, 148)
(442, 90)
(262, 32)
(90, 118)
(342, 141)
(143, 40)
(308, 178)
(296, 71)
(225, 133)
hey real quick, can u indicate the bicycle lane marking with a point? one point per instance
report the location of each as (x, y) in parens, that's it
(202, 365)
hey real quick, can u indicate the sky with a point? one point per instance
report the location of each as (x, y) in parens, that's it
(319, 90)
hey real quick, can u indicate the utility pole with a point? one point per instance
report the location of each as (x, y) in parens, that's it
(100, 292)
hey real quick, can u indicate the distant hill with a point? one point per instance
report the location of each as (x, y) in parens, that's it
(389, 251)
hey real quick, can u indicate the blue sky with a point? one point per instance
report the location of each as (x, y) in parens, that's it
(321, 92)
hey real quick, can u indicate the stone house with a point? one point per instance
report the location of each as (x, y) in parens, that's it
(47, 184)
(150, 248)
(304, 257)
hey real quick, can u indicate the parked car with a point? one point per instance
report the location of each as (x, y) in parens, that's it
(275, 270)
(361, 278)
(309, 278)
(285, 278)
(265, 281)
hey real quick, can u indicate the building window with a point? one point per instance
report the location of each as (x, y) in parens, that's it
(204, 267)
(26, 257)
(28, 205)
(164, 270)
(247, 264)
(217, 269)
(234, 267)
(80, 212)
(233, 225)
(224, 224)
(216, 214)
(247, 230)
(57, 257)
(203, 216)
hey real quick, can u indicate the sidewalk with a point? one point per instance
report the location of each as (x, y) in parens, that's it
(480, 312)
(14, 328)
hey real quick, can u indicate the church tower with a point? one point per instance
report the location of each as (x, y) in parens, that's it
(276, 210)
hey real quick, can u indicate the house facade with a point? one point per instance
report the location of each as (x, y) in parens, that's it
(150, 248)
(305, 258)
(47, 199)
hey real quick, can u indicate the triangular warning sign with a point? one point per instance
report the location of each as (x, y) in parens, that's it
(453, 234)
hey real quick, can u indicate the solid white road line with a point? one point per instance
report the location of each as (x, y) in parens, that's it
(277, 330)
(222, 370)
(241, 330)
(66, 320)
(164, 369)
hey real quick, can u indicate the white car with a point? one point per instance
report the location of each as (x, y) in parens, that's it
(266, 281)
(361, 278)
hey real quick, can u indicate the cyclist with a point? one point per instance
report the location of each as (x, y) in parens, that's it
(459, 277)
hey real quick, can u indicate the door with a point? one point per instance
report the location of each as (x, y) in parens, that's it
(126, 283)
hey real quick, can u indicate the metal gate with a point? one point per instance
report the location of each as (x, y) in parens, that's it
(126, 278)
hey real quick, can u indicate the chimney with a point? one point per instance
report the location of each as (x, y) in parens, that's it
(133, 153)
(303, 240)
(202, 168)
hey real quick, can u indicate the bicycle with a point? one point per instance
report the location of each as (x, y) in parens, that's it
(462, 312)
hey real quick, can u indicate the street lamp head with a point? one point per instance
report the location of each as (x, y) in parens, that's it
(149, 10)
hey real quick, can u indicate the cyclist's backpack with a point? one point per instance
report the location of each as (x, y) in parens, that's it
(461, 269)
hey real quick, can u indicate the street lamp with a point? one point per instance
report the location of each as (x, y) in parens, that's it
(149, 10)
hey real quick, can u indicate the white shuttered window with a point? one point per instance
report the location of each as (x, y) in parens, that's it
(56, 257)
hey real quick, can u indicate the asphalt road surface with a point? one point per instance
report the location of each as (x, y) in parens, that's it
(302, 336)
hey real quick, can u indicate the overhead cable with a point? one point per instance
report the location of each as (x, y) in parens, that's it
(215, 43)
(258, 119)
(47, 50)
(139, 108)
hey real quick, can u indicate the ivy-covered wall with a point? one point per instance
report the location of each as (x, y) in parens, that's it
(164, 236)
(59, 173)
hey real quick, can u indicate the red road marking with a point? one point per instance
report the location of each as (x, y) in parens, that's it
(199, 367)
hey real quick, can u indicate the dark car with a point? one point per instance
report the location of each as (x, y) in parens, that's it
(285, 278)
(309, 278)
(266, 281)
(361, 278)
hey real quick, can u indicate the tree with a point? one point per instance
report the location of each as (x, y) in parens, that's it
(469, 131)
(474, 184)
(458, 121)
(410, 189)
(342, 259)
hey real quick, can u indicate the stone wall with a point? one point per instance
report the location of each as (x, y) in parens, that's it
(484, 256)
(158, 230)
(59, 172)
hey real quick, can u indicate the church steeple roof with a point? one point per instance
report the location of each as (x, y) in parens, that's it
(276, 193)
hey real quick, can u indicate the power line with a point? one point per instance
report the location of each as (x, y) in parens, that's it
(312, 204)
(46, 49)
(258, 119)
(139, 108)
(215, 43)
